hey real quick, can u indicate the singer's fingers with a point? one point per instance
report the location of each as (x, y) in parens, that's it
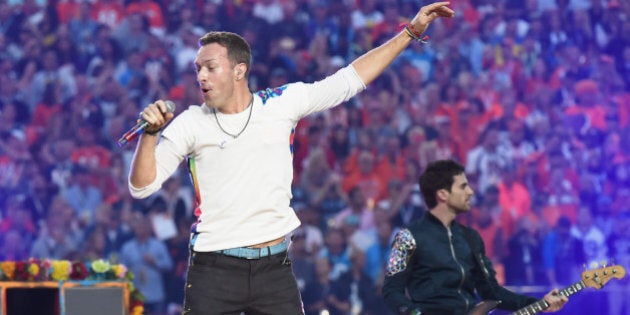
(152, 115)
(155, 110)
(162, 106)
(168, 116)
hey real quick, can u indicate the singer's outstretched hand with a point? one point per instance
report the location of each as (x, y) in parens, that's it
(372, 64)
(157, 115)
(430, 12)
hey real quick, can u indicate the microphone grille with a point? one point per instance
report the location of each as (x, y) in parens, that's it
(170, 106)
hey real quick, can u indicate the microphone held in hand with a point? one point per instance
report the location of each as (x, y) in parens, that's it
(141, 126)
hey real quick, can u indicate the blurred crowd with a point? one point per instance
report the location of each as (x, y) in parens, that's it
(532, 96)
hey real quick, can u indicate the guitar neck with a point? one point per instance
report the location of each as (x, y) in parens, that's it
(541, 305)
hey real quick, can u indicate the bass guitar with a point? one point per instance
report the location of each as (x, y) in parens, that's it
(596, 279)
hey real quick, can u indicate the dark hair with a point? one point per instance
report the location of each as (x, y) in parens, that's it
(237, 48)
(438, 175)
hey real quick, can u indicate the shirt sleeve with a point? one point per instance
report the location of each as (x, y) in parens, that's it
(331, 91)
(172, 149)
(398, 272)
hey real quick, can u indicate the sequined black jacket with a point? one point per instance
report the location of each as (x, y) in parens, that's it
(436, 266)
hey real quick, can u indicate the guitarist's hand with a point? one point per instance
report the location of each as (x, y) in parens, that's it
(555, 301)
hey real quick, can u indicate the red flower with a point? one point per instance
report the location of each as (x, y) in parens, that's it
(21, 271)
(79, 271)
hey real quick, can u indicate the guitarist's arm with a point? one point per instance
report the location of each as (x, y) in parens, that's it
(398, 272)
(486, 282)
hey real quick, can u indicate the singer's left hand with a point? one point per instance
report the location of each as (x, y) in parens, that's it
(429, 13)
(157, 115)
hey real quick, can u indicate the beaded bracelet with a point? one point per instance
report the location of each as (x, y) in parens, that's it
(415, 35)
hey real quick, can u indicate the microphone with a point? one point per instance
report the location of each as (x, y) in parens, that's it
(141, 126)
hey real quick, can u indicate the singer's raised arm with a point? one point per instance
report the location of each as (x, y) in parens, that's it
(370, 65)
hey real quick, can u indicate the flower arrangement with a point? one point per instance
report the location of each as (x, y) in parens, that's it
(64, 270)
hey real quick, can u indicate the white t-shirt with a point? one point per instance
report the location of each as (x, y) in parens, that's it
(243, 184)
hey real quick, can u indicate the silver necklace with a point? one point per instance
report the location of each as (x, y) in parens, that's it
(251, 106)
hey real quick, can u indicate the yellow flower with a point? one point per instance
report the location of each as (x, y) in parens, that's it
(137, 310)
(8, 269)
(60, 270)
(120, 271)
(33, 269)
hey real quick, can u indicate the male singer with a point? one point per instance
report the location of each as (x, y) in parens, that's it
(239, 151)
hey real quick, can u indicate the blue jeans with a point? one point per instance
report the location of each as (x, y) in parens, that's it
(219, 284)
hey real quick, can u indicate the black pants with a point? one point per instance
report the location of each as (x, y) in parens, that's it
(219, 284)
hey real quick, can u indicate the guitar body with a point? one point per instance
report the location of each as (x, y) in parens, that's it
(484, 307)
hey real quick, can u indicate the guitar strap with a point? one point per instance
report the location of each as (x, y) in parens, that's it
(476, 251)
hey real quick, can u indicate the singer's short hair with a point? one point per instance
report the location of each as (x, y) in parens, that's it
(237, 47)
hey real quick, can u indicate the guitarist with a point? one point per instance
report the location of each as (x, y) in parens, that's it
(437, 264)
